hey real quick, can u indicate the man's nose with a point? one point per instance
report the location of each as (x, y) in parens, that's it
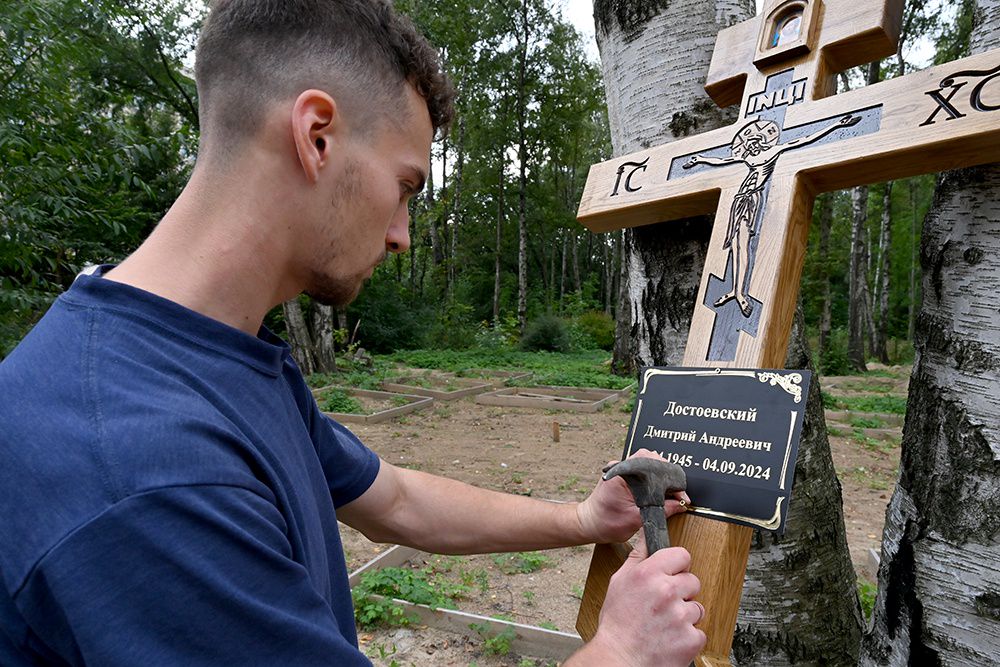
(397, 237)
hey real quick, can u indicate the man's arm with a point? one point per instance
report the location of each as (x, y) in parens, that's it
(441, 515)
(648, 616)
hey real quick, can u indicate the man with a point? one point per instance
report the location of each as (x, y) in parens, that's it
(169, 493)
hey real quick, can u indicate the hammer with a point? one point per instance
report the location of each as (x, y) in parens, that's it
(650, 480)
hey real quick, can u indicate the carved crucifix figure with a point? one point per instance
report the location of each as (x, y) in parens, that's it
(794, 138)
(756, 146)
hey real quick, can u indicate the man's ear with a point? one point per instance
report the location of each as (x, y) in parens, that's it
(315, 120)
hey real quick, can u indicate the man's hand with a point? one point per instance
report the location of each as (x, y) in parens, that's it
(609, 513)
(649, 614)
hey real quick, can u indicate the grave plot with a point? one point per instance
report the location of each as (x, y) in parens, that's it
(488, 600)
(347, 404)
(576, 399)
(496, 378)
(435, 384)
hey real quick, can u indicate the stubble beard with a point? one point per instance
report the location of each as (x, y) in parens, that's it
(323, 286)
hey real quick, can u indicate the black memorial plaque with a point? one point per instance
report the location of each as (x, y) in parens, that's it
(734, 431)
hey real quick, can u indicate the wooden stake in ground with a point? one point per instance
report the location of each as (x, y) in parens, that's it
(793, 139)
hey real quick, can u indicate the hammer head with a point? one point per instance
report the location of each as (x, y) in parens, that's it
(650, 480)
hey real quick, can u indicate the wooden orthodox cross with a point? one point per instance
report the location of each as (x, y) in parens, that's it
(794, 138)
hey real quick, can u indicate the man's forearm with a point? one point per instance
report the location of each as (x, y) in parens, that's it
(446, 516)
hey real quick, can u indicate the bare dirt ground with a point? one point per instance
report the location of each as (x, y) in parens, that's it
(512, 449)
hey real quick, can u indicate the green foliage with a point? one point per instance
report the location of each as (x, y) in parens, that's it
(548, 333)
(598, 327)
(338, 400)
(495, 644)
(97, 126)
(867, 591)
(391, 316)
(588, 368)
(455, 328)
(834, 360)
(402, 584)
(893, 405)
(522, 562)
(866, 422)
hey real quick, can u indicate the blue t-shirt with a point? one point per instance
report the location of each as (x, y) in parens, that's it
(167, 493)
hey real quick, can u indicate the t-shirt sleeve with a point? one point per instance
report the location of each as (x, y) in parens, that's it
(349, 466)
(190, 575)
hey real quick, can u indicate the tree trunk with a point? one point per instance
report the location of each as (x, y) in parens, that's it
(857, 289)
(574, 244)
(432, 219)
(522, 178)
(456, 208)
(939, 580)
(607, 255)
(800, 601)
(562, 271)
(657, 95)
(825, 204)
(299, 337)
(882, 277)
(799, 604)
(616, 274)
(859, 305)
(323, 326)
(914, 224)
(497, 251)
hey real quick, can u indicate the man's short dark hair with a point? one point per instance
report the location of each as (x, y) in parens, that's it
(253, 52)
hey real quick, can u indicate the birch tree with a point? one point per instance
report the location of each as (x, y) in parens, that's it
(799, 602)
(939, 580)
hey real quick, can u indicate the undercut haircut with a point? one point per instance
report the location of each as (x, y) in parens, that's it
(252, 53)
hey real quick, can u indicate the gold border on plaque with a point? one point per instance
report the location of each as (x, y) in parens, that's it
(775, 520)
(769, 524)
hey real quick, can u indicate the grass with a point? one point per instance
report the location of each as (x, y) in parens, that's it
(494, 644)
(889, 404)
(868, 387)
(521, 562)
(872, 480)
(338, 400)
(866, 593)
(417, 586)
(576, 369)
(873, 444)
(866, 422)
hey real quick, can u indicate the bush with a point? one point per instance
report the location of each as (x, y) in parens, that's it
(598, 327)
(835, 362)
(392, 317)
(549, 333)
(455, 328)
(338, 400)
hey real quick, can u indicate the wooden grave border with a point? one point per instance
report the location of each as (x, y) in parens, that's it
(416, 403)
(528, 639)
(472, 386)
(573, 399)
(498, 379)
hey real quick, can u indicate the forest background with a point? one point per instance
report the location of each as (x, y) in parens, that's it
(99, 132)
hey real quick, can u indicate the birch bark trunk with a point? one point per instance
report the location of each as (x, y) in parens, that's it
(522, 174)
(857, 287)
(655, 57)
(799, 602)
(939, 581)
(323, 326)
(882, 277)
(825, 204)
(299, 337)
